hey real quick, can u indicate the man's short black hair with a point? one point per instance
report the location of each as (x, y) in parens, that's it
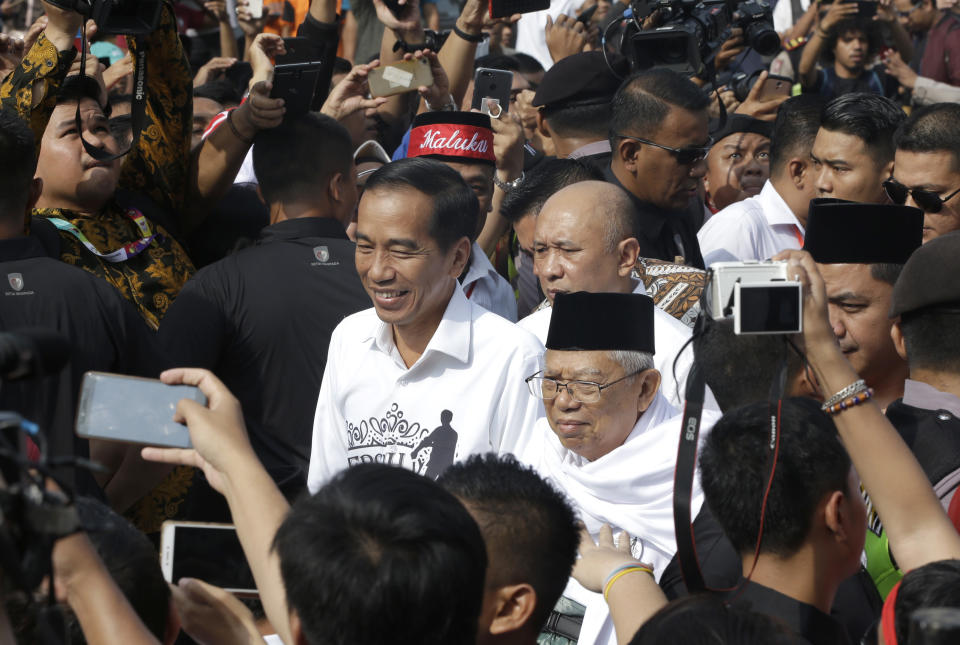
(221, 90)
(932, 340)
(933, 128)
(383, 555)
(455, 205)
(812, 463)
(706, 619)
(886, 272)
(936, 584)
(296, 160)
(547, 177)
(740, 369)
(795, 130)
(645, 98)
(846, 26)
(527, 64)
(584, 120)
(529, 527)
(18, 163)
(871, 118)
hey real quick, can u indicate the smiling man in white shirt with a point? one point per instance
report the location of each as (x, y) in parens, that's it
(426, 377)
(760, 227)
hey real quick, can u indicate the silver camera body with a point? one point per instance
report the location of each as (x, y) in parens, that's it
(757, 295)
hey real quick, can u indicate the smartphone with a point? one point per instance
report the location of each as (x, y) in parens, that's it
(117, 407)
(506, 8)
(776, 86)
(296, 84)
(866, 9)
(587, 14)
(491, 84)
(206, 551)
(299, 50)
(255, 7)
(405, 76)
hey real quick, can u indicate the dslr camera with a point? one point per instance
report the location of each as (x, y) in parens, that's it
(126, 17)
(692, 32)
(757, 295)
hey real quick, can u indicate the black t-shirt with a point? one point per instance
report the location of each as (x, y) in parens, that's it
(105, 331)
(808, 622)
(261, 319)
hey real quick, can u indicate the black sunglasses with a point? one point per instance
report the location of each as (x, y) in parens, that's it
(684, 156)
(927, 200)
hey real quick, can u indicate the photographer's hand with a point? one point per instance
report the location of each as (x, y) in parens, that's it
(730, 49)
(212, 616)
(756, 107)
(213, 68)
(62, 26)
(565, 36)
(407, 25)
(263, 50)
(350, 94)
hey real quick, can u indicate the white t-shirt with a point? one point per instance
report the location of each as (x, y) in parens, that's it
(783, 17)
(487, 288)
(752, 229)
(530, 35)
(466, 394)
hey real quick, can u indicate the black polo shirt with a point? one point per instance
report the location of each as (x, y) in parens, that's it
(664, 235)
(105, 331)
(808, 622)
(261, 320)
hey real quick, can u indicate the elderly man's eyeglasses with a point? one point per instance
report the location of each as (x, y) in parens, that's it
(927, 200)
(546, 388)
(685, 156)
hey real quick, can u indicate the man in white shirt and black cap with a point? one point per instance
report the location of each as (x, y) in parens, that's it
(609, 439)
(426, 377)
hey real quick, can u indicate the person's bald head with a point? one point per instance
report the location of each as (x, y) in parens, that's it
(585, 240)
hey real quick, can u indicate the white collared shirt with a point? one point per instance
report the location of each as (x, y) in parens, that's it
(465, 395)
(752, 229)
(670, 335)
(487, 288)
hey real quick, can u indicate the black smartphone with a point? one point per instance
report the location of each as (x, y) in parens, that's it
(208, 552)
(296, 84)
(493, 84)
(866, 9)
(506, 8)
(299, 50)
(587, 14)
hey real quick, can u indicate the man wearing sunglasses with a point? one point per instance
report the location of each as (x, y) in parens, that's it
(659, 141)
(926, 172)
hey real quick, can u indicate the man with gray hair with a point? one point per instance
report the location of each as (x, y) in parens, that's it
(609, 439)
(585, 239)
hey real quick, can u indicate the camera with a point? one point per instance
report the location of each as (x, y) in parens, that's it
(692, 32)
(126, 17)
(757, 295)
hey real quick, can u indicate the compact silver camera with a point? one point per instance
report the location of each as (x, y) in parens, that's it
(757, 295)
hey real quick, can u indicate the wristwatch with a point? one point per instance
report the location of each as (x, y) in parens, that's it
(507, 186)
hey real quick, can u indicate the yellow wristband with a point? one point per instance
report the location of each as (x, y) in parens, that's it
(620, 574)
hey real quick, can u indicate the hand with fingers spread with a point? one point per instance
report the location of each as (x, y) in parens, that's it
(565, 36)
(212, 616)
(350, 94)
(765, 110)
(837, 12)
(212, 69)
(598, 559)
(438, 94)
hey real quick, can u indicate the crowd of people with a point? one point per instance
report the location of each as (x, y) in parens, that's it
(455, 343)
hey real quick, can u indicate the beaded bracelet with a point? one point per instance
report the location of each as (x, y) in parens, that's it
(619, 572)
(854, 388)
(853, 401)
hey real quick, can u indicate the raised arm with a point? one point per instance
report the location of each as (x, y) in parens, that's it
(458, 53)
(807, 70)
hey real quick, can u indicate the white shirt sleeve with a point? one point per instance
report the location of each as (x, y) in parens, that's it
(328, 455)
(728, 236)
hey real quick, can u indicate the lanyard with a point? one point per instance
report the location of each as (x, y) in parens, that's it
(125, 252)
(797, 234)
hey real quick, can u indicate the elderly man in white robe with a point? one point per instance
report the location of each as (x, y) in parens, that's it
(610, 437)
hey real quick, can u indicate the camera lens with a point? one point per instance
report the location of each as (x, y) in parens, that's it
(761, 36)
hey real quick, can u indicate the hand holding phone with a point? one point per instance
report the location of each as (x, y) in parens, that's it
(491, 84)
(205, 551)
(398, 78)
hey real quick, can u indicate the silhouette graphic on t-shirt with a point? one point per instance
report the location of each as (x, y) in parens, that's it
(442, 443)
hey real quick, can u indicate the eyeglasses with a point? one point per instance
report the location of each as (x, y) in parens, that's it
(684, 156)
(927, 200)
(545, 388)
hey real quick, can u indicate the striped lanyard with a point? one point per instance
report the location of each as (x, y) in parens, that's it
(125, 252)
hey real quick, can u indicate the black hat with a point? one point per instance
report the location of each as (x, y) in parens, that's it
(929, 277)
(581, 79)
(740, 123)
(842, 232)
(601, 321)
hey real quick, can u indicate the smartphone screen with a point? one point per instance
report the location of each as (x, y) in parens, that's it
(133, 409)
(208, 552)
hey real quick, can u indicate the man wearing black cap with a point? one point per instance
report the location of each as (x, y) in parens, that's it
(659, 138)
(760, 227)
(574, 105)
(738, 164)
(859, 270)
(609, 439)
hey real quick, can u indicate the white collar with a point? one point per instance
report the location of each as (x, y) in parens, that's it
(452, 336)
(774, 209)
(480, 266)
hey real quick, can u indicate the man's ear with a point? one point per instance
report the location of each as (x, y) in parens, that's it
(461, 256)
(628, 150)
(797, 169)
(335, 187)
(888, 171)
(650, 383)
(628, 251)
(514, 606)
(837, 516)
(899, 342)
(542, 126)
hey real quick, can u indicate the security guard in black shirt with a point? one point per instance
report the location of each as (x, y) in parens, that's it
(261, 319)
(41, 292)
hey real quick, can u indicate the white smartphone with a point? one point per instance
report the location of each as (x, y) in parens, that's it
(116, 407)
(255, 7)
(206, 551)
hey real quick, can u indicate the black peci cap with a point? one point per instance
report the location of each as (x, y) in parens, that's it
(928, 279)
(601, 321)
(842, 232)
(740, 123)
(581, 79)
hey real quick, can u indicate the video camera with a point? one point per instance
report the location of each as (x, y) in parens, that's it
(692, 32)
(126, 17)
(757, 295)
